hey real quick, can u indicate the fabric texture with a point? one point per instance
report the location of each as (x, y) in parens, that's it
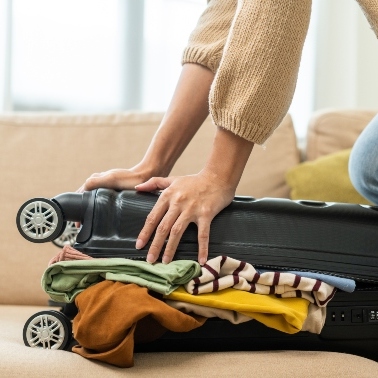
(224, 272)
(284, 314)
(68, 253)
(113, 316)
(209, 37)
(324, 179)
(233, 317)
(256, 72)
(370, 8)
(314, 321)
(345, 284)
(64, 280)
(363, 163)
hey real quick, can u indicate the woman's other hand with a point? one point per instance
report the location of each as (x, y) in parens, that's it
(197, 198)
(185, 199)
(117, 179)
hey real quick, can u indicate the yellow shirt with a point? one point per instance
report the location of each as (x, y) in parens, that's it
(284, 314)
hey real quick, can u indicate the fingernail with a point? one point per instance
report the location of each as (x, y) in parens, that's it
(150, 258)
(202, 261)
(139, 244)
(166, 260)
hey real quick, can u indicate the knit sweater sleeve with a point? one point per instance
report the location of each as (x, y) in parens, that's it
(207, 41)
(370, 8)
(254, 47)
(255, 82)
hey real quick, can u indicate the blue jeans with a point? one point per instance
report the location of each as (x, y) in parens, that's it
(363, 162)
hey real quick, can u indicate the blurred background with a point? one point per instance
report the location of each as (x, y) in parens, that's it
(117, 55)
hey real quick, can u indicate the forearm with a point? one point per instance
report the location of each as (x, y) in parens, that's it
(228, 157)
(186, 113)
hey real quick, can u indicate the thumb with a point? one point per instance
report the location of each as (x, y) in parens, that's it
(155, 183)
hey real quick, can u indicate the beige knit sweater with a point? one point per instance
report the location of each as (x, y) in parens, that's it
(254, 48)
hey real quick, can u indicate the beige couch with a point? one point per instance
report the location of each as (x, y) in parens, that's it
(42, 155)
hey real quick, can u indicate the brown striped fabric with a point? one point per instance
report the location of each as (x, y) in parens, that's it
(224, 272)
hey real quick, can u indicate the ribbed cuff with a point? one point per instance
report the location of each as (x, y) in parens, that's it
(250, 131)
(202, 56)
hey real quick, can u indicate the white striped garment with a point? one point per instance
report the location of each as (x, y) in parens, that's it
(223, 272)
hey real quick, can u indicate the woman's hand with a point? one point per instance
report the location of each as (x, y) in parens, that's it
(185, 199)
(117, 179)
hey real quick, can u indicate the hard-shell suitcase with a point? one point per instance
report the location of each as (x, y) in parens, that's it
(333, 238)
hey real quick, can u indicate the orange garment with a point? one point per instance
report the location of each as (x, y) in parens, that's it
(113, 316)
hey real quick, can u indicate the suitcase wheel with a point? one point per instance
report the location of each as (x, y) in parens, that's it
(40, 220)
(48, 330)
(68, 236)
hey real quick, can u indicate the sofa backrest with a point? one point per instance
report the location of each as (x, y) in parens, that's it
(332, 130)
(43, 155)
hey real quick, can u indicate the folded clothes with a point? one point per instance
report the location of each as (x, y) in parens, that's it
(315, 319)
(68, 253)
(348, 285)
(224, 272)
(114, 316)
(232, 268)
(63, 280)
(313, 323)
(345, 284)
(233, 317)
(284, 314)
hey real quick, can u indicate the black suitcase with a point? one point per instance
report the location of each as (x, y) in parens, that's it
(332, 238)
(351, 326)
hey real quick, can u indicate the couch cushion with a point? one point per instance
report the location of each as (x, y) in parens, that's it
(324, 179)
(43, 155)
(331, 130)
(17, 360)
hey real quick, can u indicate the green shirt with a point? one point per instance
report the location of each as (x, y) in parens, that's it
(64, 280)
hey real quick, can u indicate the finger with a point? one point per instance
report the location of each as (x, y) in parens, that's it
(86, 187)
(101, 180)
(152, 221)
(155, 183)
(162, 232)
(175, 235)
(81, 189)
(203, 240)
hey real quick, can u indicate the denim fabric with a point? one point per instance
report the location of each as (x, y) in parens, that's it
(344, 284)
(363, 162)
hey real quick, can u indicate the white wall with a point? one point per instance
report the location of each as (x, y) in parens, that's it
(346, 73)
(339, 66)
(302, 105)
